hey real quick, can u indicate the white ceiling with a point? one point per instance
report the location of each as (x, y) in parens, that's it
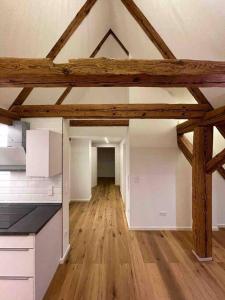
(192, 29)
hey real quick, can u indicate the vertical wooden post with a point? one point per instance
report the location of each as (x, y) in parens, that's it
(202, 193)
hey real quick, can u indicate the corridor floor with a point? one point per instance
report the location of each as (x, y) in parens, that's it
(107, 261)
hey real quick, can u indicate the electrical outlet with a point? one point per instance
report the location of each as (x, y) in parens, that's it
(163, 213)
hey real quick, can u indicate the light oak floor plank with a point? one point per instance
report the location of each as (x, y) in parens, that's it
(107, 261)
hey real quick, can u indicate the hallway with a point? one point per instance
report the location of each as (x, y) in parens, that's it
(107, 261)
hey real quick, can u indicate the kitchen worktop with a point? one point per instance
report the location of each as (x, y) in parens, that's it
(25, 218)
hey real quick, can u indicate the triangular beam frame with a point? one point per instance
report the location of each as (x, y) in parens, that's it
(94, 53)
(71, 28)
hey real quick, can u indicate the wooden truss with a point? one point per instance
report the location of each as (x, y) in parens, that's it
(105, 72)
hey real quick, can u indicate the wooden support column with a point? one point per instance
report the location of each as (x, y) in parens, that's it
(202, 193)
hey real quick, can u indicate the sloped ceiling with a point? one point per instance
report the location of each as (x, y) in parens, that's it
(191, 29)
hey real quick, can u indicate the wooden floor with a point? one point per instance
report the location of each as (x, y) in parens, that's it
(109, 262)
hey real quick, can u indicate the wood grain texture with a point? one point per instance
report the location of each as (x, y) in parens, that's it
(160, 44)
(7, 117)
(20, 99)
(63, 96)
(186, 126)
(186, 147)
(107, 261)
(94, 53)
(91, 123)
(72, 27)
(202, 192)
(216, 162)
(111, 72)
(114, 111)
(78, 19)
(119, 42)
(149, 30)
(212, 118)
(221, 171)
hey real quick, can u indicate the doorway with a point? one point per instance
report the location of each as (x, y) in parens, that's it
(106, 164)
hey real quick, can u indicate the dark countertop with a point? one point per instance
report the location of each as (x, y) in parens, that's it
(25, 218)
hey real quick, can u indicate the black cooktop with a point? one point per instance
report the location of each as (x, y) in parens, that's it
(11, 214)
(24, 218)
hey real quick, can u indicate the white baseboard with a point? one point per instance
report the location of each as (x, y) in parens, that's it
(81, 200)
(170, 228)
(62, 259)
(152, 228)
(221, 226)
(127, 219)
(202, 259)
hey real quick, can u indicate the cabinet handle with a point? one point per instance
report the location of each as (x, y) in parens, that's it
(14, 249)
(13, 278)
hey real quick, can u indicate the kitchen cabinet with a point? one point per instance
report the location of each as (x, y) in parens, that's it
(29, 262)
(44, 153)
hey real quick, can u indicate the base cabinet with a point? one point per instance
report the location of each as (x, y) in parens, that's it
(16, 288)
(28, 263)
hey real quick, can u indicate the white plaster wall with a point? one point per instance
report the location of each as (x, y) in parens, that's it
(93, 166)
(125, 174)
(117, 165)
(66, 185)
(152, 187)
(80, 169)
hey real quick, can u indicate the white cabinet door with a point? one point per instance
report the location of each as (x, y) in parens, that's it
(17, 262)
(44, 153)
(16, 288)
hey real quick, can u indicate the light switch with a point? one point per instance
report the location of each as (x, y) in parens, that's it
(50, 190)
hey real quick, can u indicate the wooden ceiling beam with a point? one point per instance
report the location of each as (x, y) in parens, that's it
(190, 125)
(160, 44)
(149, 30)
(114, 111)
(72, 27)
(7, 117)
(216, 162)
(214, 117)
(186, 127)
(63, 96)
(98, 123)
(100, 72)
(186, 147)
(94, 53)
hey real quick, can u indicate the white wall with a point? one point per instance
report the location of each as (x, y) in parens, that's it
(152, 187)
(94, 166)
(17, 187)
(125, 174)
(80, 169)
(117, 165)
(66, 185)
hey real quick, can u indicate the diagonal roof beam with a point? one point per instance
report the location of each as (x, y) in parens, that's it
(79, 18)
(167, 54)
(187, 149)
(7, 117)
(157, 40)
(216, 162)
(94, 53)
